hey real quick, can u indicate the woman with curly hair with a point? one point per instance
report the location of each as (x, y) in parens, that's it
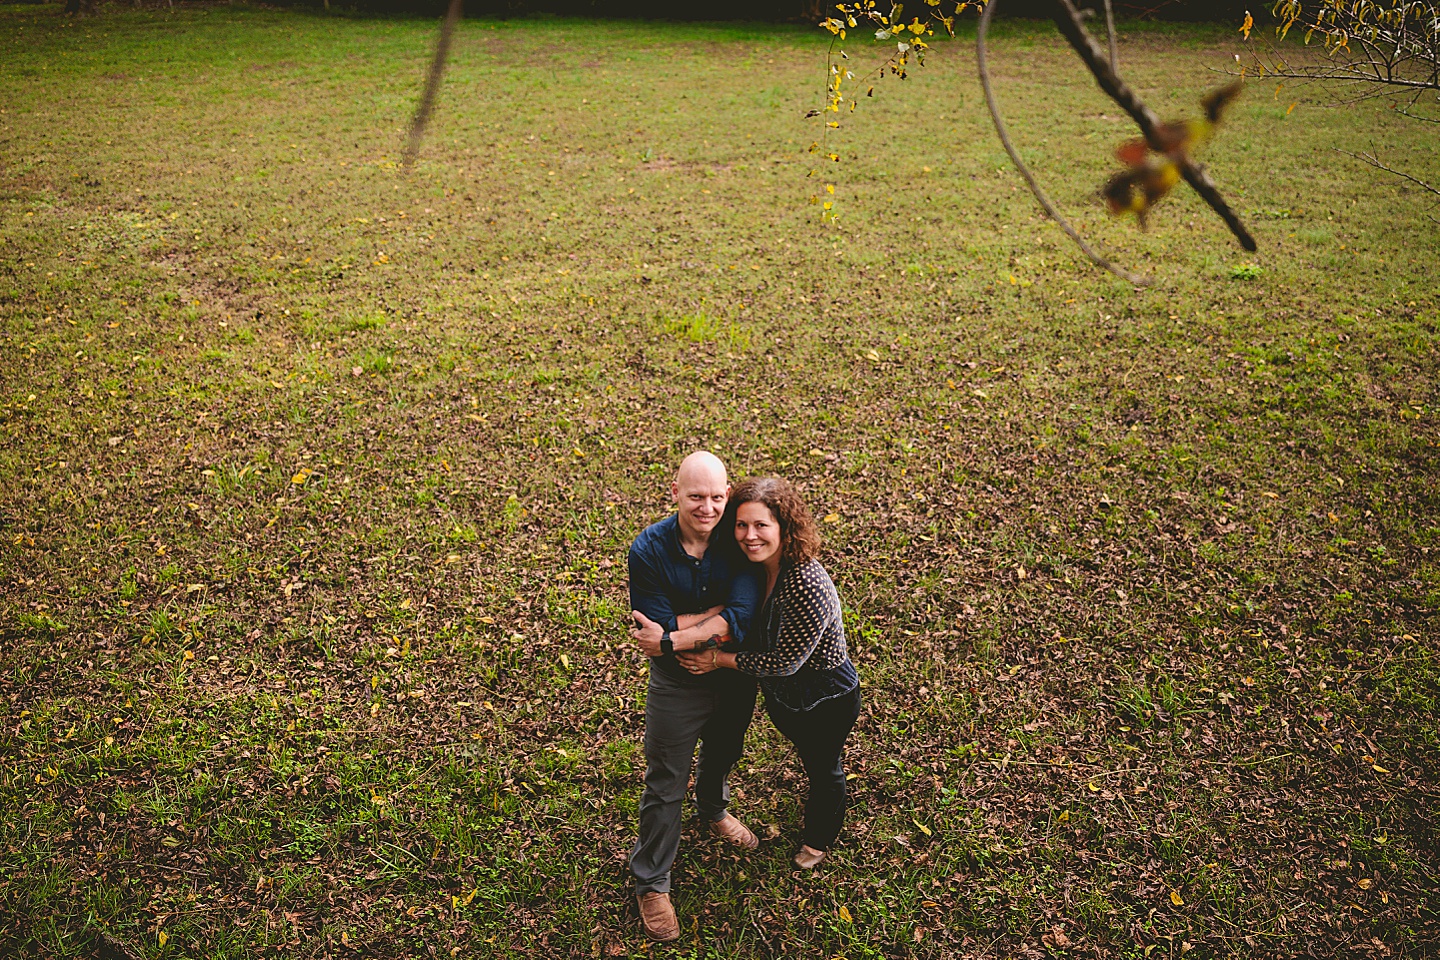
(812, 692)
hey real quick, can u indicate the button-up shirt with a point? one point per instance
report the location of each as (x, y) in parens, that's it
(665, 582)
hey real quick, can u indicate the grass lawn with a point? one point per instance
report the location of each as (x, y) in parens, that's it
(317, 476)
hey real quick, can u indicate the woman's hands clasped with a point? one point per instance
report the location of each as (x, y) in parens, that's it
(699, 661)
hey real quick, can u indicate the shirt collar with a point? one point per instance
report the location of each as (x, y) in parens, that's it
(678, 548)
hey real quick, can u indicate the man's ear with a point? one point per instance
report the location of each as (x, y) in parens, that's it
(675, 490)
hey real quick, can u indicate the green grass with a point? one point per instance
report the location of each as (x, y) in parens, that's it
(316, 478)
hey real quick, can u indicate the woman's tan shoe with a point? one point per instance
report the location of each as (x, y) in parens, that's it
(809, 858)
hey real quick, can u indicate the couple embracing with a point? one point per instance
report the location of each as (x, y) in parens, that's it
(727, 596)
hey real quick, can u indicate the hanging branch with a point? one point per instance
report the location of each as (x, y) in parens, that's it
(1067, 18)
(983, 61)
(1109, 33)
(432, 85)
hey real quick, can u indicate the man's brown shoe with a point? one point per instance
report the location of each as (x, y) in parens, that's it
(731, 830)
(658, 917)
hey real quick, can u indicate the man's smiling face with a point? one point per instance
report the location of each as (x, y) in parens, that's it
(701, 490)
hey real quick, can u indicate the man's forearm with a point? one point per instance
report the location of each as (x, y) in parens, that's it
(686, 620)
(697, 636)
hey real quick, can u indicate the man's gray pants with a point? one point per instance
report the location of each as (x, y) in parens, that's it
(677, 716)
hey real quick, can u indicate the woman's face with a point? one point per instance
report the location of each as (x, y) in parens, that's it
(757, 531)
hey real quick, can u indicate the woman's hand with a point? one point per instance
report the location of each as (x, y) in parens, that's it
(700, 661)
(646, 633)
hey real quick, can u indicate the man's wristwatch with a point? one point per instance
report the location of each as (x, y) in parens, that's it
(667, 646)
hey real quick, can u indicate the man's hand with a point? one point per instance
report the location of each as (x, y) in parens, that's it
(646, 633)
(699, 661)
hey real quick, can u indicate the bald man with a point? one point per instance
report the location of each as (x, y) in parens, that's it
(690, 589)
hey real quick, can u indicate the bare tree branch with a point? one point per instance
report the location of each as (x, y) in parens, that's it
(1067, 18)
(432, 85)
(1389, 49)
(1388, 43)
(1354, 72)
(1416, 116)
(982, 59)
(1373, 158)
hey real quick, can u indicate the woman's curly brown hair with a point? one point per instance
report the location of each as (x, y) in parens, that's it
(799, 536)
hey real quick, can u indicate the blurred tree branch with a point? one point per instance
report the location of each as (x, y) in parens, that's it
(983, 62)
(432, 85)
(1067, 18)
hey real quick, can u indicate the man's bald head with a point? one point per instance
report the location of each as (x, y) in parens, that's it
(701, 466)
(701, 489)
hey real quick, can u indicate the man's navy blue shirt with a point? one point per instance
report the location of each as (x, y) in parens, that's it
(665, 582)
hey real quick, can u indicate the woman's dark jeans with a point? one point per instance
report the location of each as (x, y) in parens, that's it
(819, 736)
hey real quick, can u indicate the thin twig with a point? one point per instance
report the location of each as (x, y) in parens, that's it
(984, 65)
(432, 84)
(1067, 18)
(1110, 33)
(1260, 760)
(1374, 160)
(163, 867)
(1321, 73)
(1405, 112)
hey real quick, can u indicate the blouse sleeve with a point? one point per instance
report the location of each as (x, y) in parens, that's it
(808, 604)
